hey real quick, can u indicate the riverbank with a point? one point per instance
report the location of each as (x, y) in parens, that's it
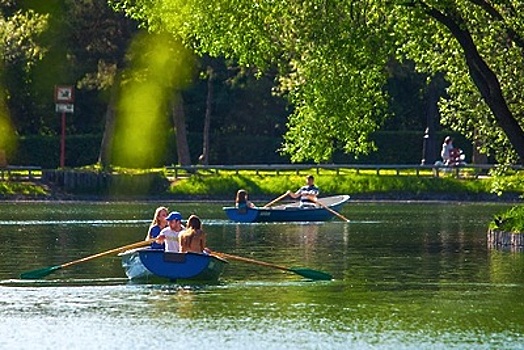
(264, 188)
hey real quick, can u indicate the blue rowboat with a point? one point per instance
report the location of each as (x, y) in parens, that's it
(155, 264)
(288, 212)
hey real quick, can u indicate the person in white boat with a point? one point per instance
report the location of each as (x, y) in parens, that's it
(169, 235)
(308, 194)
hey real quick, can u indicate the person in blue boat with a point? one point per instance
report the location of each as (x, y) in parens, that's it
(169, 235)
(193, 239)
(242, 201)
(158, 224)
(307, 194)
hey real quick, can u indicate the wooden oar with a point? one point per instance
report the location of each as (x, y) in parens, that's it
(275, 200)
(307, 273)
(334, 212)
(36, 274)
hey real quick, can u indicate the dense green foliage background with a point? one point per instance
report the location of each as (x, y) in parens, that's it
(332, 58)
(396, 147)
(324, 82)
(85, 44)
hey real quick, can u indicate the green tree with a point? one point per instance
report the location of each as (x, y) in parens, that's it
(84, 44)
(233, 103)
(97, 42)
(478, 44)
(20, 50)
(331, 57)
(336, 102)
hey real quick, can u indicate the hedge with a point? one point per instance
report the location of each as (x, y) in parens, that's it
(400, 147)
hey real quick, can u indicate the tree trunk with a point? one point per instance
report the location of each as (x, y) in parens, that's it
(485, 80)
(477, 157)
(104, 157)
(204, 158)
(179, 122)
(432, 120)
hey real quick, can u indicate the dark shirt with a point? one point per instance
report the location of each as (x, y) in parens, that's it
(153, 233)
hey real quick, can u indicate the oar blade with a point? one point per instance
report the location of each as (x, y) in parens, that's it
(312, 274)
(40, 273)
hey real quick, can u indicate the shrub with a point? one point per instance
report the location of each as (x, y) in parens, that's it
(510, 221)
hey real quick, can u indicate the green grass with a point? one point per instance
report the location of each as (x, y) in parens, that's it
(26, 189)
(268, 184)
(227, 183)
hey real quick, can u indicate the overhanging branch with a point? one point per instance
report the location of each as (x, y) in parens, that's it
(496, 15)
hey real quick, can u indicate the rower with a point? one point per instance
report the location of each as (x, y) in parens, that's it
(308, 193)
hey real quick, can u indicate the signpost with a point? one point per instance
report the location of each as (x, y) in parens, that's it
(64, 98)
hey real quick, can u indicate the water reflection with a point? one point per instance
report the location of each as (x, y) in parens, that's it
(407, 276)
(179, 300)
(73, 222)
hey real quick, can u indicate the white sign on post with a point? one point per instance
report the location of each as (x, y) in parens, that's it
(64, 108)
(64, 98)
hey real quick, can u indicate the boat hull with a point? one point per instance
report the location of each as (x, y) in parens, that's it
(151, 264)
(284, 213)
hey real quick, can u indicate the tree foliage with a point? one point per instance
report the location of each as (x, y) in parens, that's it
(20, 50)
(331, 58)
(479, 45)
(157, 66)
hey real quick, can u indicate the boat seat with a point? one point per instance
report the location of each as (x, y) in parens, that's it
(174, 257)
(242, 210)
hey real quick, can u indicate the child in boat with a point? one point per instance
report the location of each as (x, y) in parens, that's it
(242, 200)
(308, 193)
(169, 235)
(193, 239)
(158, 224)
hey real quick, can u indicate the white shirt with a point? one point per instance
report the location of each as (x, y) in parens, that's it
(171, 239)
(445, 152)
(305, 192)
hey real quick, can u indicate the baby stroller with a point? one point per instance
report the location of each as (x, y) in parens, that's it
(456, 157)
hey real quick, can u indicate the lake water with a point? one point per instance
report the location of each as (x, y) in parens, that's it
(407, 276)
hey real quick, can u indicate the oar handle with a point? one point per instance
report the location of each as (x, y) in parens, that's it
(250, 261)
(108, 252)
(334, 212)
(275, 200)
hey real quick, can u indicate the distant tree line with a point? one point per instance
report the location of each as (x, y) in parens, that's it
(41, 150)
(331, 59)
(221, 110)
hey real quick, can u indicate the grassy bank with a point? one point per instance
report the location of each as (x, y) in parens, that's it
(23, 190)
(269, 185)
(357, 185)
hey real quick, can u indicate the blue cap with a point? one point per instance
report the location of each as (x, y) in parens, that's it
(174, 215)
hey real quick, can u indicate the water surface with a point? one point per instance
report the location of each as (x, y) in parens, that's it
(407, 276)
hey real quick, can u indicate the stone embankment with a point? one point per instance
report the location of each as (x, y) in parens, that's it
(505, 239)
